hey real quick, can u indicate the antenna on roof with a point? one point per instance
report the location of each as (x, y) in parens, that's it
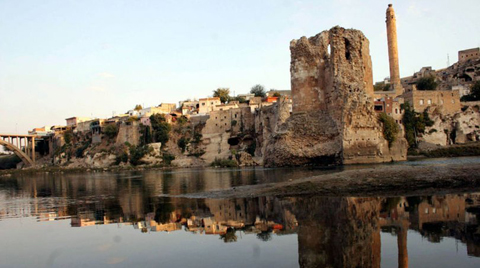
(448, 59)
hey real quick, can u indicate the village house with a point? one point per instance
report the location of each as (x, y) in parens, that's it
(207, 105)
(73, 121)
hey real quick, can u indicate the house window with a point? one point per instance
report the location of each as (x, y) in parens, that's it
(396, 110)
(203, 103)
(421, 102)
(235, 115)
(429, 101)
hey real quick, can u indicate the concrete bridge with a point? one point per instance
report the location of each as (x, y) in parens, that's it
(22, 145)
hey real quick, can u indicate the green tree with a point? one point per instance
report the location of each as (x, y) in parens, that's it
(223, 94)
(474, 93)
(427, 83)
(276, 94)
(240, 99)
(390, 128)
(110, 131)
(68, 136)
(258, 91)
(160, 128)
(381, 86)
(414, 123)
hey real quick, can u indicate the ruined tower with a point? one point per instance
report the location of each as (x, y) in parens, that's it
(333, 119)
(393, 50)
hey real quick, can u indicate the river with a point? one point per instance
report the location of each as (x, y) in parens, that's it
(127, 219)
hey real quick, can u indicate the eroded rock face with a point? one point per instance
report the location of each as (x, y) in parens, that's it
(333, 118)
(449, 129)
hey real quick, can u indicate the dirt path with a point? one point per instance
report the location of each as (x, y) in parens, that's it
(383, 181)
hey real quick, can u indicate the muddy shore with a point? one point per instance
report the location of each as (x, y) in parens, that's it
(379, 181)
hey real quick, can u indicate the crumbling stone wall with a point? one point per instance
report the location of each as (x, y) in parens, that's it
(333, 116)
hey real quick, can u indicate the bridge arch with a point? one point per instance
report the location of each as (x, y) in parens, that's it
(23, 156)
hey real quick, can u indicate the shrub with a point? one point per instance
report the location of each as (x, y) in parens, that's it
(136, 153)
(390, 128)
(68, 136)
(182, 143)
(160, 127)
(414, 123)
(427, 83)
(110, 131)
(121, 158)
(182, 120)
(79, 152)
(224, 163)
(168, 158)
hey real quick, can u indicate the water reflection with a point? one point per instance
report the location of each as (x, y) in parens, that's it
(331, 231)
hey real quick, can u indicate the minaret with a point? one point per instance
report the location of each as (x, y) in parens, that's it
(393, 51)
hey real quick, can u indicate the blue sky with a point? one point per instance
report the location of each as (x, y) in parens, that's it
(91, 58)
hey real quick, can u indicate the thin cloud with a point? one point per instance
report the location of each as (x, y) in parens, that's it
(106, 75)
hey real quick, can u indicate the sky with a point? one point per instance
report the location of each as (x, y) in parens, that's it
(67, 58)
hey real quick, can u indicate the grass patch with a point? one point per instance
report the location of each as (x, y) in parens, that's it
(454, 151)
(224, 163)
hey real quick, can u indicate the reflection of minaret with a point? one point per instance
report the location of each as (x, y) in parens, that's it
(393, 50)
(402, 246)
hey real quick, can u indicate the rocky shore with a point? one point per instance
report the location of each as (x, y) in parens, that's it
(392, 180)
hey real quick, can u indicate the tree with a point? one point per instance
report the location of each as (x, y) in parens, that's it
(67, 136)
(381, 86)
(138, 107)
(259, 91)
(414, 123)
(474, 93)
(223, 94)
(390, 128)
(277, 95)
(110, 131)
(239, 99)
(160, 127)
(427, 83)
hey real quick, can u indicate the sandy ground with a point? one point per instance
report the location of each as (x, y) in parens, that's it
(382, 181)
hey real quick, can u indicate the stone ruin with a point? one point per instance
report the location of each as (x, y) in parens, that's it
(333, 119)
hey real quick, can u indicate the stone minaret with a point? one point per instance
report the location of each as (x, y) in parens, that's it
(393, 51)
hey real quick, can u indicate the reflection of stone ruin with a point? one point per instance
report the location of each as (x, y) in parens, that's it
(333, 118)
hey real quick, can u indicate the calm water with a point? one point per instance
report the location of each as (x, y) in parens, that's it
(127, 219)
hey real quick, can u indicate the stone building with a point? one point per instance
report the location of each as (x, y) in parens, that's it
(207, 105)
(469, 54)
(447, 100)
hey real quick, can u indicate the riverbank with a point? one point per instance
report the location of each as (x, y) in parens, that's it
(394, 180)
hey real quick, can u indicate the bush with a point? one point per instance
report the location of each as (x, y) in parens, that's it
(136, 153)
(474, 93)
(414, 123)
(160, 127)
(182, 120)
(79, 152)
(390, 128)
(427, 83)
(9, 161)
(224, 163)
(182, 143)
(110, 131)
(168, 158)
(121, 158)
(68, 136)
